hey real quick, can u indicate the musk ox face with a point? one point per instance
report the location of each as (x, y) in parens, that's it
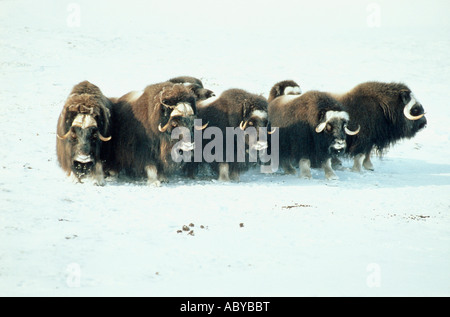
(413, 112)
(178, 110)
(255, 117)
(333, 125)
(83, 141)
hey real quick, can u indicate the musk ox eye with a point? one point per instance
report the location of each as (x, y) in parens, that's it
(415, 111)
(329, 127)
(251, 123)
(174, 124)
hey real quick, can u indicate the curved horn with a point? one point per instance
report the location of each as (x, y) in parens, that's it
(104, 139)
(164, 128)
(408, 115)
(243, 125)
(407, 110)
(350, 132)
(64, 136)
(273, 131)
(321, 126)
(199, 128)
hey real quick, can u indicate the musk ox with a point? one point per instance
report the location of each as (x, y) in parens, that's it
(235, 119)
(312, 130)
(285, 87)
(195, 85)
(144, 121)
(84, 133)
(386, 113)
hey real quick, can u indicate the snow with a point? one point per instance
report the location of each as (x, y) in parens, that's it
(380, 233)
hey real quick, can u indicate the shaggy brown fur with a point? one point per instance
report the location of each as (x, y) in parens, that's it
(85, 98)
(285, 111)
(139, 145)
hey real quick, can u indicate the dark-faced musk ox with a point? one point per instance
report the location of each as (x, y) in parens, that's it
(386, 113)
(285, 87)
(312, 130)
(236, 122)
(144, 121)
(84, 133)
(195, 84)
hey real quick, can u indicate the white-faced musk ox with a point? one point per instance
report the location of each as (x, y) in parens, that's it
(285, 87)
(144, 122)
(196, 85)
(386, 113)
(84, 133)
(234, 120)
(312, 130)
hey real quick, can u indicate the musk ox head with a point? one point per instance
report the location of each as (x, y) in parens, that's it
(413, 112)
(200, 92)
(195, 85)
(334, 126)
(285, 87)
(254, 115)
(177, 106)
(82, 128)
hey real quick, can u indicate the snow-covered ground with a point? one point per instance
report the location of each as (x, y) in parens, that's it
(381, 233)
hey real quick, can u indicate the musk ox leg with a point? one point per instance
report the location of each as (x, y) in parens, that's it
(234, 175)
(98, 176)
(73, 178)
(336, 164)
(287, 167)
(305, 168)
(367, 163)
(357, 162)
(329, 173)
(152, 176)
(191, 170)
(224, 172)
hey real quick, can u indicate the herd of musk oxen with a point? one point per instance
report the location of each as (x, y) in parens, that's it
(178, 126)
